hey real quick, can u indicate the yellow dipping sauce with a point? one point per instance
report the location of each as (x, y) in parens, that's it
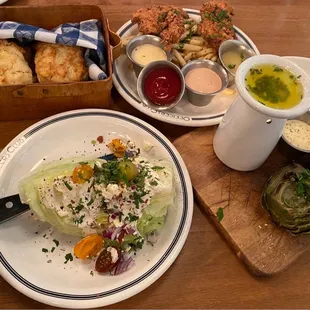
(232, 60)
(274, 86)
(146, 53)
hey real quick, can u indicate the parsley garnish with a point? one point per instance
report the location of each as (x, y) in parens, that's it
(181, 45)
(83, 163)
(53, 249)
(79, 208)
(56, 242)
(91, 273)
(132, 217)
(154, 183)
(79, 220)
(90, 202)
(157, 168)
(68, 258)
(176, 12)
(277, 69)
(257, 71)
(242, 57)
(231, 66)
(44, 250)
(303, 185)
(68, 185)
(220, 214)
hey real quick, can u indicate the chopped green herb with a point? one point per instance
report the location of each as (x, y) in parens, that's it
(68, 258)
(231, 66)
(176, 12)
(303, 185)
(154, 183)
(93, 142)
(91, 273)
(78, 208)
(277, 69)
(299, 76)
(220, 214)
(56, 242)
(79, 220)
(53, 249)
(44, 250)
(256, 71)
(181, 45)
(68, 185)
(188, 22)
(242, 57)
(90, 202)
(83, 163)
(157, 168)
(132, 217)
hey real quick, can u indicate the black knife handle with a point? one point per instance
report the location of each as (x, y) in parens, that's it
(10, 207)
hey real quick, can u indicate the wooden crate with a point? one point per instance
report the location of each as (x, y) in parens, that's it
(36, 101)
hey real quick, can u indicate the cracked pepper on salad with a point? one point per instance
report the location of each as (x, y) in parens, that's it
(117, 204)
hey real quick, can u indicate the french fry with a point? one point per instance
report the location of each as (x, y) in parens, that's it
(126, 40)
(189, 56)
(214, 58)
(228, 91)
(182, 54)
(192, 48)
(209, 56)
(205, 51)
(180, 59)
(196, 42)
(198, 38)
(194, 29)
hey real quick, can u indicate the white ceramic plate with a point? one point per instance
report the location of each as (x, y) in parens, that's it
(3, 1)
(184, 114)
(22, 262)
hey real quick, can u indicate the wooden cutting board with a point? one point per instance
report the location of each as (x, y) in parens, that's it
(265, 248)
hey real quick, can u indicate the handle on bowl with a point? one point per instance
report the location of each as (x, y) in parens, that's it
(116, 43)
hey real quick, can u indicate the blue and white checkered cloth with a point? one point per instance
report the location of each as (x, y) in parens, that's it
(85, 34)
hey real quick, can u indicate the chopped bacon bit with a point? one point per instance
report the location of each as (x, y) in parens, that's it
(100, 139)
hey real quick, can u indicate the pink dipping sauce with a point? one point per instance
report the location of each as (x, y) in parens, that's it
(203, 80)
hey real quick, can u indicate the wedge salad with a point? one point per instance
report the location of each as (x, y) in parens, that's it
(116, 204)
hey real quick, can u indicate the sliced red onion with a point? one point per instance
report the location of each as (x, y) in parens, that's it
(115, 233)
(129, 230)
(126, 262)
(108, 233)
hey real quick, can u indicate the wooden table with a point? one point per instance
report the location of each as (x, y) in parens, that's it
(206, 274)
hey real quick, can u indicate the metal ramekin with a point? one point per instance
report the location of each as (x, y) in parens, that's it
(145, 39)
(141, 81)
(198, 98)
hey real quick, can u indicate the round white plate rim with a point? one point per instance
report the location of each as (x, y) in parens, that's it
(164, 116)
(168, 257)
(3, 1)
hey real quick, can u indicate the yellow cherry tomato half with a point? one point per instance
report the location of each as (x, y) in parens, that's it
(82, 173)
(117, 147)
(129, 169)
(89, 246)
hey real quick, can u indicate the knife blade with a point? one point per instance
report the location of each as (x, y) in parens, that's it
(10, 207)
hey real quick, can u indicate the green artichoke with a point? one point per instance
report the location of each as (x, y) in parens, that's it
(286, 197)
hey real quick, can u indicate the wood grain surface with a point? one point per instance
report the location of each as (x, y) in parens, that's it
(207, 274)
(265, 248)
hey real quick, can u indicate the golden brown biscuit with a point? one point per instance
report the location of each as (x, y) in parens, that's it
(13, 67)
(59, 63)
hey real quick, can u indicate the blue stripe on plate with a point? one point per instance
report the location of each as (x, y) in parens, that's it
(43, 291)
(116, 75)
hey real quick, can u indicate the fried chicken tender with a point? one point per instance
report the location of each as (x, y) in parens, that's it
(166, 21)
(216, 24)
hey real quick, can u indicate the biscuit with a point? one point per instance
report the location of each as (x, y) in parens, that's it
(59, 63)
(13, 67)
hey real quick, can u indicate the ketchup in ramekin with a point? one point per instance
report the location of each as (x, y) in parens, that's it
(162, 86)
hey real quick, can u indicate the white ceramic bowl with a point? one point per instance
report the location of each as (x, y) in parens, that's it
(296, 111)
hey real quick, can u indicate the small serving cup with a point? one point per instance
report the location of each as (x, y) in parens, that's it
(291, 151)
(198, 98)
(141, 82)
(234, 46)
(139, 40)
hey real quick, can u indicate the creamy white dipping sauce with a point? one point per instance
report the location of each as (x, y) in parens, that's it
(297, 133)
(146, 53)
(203, 80)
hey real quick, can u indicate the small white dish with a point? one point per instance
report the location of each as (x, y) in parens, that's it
(184, 114)
(44, 276)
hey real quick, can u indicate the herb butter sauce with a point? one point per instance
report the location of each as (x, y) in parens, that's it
(274, 86)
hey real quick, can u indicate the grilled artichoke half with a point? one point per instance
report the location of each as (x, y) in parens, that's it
(286, 196)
